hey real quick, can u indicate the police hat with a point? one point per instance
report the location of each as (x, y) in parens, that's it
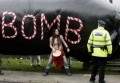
(101, 22)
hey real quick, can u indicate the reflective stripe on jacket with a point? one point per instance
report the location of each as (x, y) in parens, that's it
(99, 38)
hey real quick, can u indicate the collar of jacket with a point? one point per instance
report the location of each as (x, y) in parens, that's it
(102, 28)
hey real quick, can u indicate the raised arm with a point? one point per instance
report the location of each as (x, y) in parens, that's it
(61, 37)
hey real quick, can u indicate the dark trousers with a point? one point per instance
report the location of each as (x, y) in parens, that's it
(98, 62)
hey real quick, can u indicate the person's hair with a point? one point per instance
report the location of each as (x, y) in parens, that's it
(56, 36)
(53, 34)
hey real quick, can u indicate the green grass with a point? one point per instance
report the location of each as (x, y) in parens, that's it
(24, 65)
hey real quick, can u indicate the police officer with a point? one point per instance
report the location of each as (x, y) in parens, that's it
(99, 47)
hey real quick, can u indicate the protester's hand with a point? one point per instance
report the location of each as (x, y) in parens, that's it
(53, 49)
(68, 50)
(109, 55)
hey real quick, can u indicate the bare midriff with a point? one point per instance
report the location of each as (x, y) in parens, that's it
(56, 45)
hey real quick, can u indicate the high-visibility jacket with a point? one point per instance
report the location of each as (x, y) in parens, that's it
(99, 38)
